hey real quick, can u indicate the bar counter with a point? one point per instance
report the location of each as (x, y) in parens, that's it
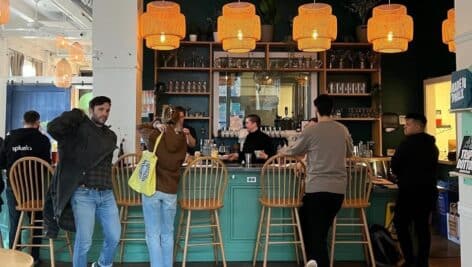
(239, 219)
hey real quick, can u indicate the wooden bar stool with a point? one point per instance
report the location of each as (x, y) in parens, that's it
(357, 199)
(380, 166)
(126, 198)
(282, 185)
(15, 258)
(30, 178)
(202, 189)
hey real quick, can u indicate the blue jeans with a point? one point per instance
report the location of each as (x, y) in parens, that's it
(159, 214)
(86, 204)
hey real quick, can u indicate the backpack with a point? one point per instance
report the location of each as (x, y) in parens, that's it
(386, 252)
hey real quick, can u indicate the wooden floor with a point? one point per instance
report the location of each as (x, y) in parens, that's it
(443, 253)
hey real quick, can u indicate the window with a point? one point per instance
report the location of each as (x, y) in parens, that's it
(28, 68)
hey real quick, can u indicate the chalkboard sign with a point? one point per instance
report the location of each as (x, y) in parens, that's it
(461, 90)
(464, 163)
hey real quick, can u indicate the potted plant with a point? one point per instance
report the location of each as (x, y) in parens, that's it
(362, 9)
(267, 10)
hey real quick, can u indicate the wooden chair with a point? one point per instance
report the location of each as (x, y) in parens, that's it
(282, 185)
(202, 189)
(30, 178)
(380, 166)
(14, 258)
(357, 198)
(126, 198)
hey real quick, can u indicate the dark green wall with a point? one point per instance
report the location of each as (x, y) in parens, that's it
(402, 74)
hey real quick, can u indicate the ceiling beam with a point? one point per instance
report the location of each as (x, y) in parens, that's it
(74, 12)
(21, 9)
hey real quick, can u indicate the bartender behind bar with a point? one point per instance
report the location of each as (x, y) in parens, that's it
(257, 143)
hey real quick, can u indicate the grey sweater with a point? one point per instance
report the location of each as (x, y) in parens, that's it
(327, 144)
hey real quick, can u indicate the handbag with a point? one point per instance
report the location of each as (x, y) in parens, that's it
(143, 179)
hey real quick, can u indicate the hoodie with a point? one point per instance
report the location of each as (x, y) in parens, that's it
(415, 162)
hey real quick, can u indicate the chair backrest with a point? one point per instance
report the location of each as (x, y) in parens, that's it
(121, 172)
(204, 182)
(380, 166)
(282, 181)
(359, 182)
(29, 179)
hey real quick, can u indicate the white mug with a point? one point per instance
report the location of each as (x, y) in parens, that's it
(192, 37)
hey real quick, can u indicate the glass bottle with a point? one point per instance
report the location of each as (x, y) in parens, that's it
(438, 118)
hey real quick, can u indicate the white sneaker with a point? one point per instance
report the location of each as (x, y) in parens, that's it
(95, 264)
(311, 263)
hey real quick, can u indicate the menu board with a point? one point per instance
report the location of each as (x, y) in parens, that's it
(461, 90)
(464, 163)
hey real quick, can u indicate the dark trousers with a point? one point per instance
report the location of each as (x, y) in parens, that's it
(317, 215)
(413, 208)
(14, 217)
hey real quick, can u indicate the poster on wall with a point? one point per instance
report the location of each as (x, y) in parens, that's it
(464, 163)
(461, 90)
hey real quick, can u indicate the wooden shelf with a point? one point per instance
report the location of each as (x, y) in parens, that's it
(352, 70)
(182, 69)
(278, 44)
(237, 70)
(356, 119)
(297, 70)
(197, 118)
(187, 93)
(350, 95)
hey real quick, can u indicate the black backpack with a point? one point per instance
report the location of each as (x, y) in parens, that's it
(386, 252)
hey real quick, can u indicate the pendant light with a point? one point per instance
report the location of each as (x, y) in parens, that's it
(4, 11)
(390, 28)
(449, 30)
(76, 53)
(239, 27)
(61, 42)
(63, 74)
(315, 27)
(162, 25)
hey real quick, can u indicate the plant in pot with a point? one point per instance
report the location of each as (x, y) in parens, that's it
(267, 10)
(362, 9)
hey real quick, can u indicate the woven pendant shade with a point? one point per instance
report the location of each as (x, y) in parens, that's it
(239, 27)
(449, 30)
(315, 27)
(63, 74)
(61, 42)
(4, 11)
(76, 53)
(163, 26)
(390, 28)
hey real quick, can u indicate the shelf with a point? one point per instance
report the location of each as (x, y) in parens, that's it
(353, 70)
(237, 70)
(275, 44)
(181, 69)
(296, 70)
(197, 118)
(187, 93)
(443, 127)
(349, 95)
(356, 119)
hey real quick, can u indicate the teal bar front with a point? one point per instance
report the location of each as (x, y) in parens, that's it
(239, 220)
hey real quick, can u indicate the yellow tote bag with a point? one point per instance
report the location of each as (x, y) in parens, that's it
(143, 179)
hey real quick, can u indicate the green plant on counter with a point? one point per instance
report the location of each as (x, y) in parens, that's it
(267, 10)
(361, 8)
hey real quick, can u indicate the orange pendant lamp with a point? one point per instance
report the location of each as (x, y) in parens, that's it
(61, 42)
(239, 27)
(63, 74)
(390, 28)
(76, 53)
(4, 11)
(163, 26)
(315, 27)
(449, 30)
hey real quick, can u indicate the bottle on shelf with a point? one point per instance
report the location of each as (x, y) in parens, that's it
(438, 118)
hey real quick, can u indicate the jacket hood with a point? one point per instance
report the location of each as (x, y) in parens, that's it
(23, 133)
(422, 137)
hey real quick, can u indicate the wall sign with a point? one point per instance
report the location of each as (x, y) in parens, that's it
(461, 90)
(464, 163)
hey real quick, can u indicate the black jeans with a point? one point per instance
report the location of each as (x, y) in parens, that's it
(317, 215)
(413, 208)
(14, 217)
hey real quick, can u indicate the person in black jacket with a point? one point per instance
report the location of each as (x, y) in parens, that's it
(414, 163)
(24, 142)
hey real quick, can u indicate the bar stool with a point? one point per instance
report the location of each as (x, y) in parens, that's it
(380, 166)
(14, 258)
(202, 189)
(357, 198)
(282, 185)
(30, 178)
(127, 198)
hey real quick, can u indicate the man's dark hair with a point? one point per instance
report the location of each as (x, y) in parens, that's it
(31, 117)
(99, 100)
(324, 104)
(179, 109)
(254, 118)
(417, 117)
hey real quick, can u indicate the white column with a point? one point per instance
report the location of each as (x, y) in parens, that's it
(117, 64)
(4, 73)
(464, 60)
